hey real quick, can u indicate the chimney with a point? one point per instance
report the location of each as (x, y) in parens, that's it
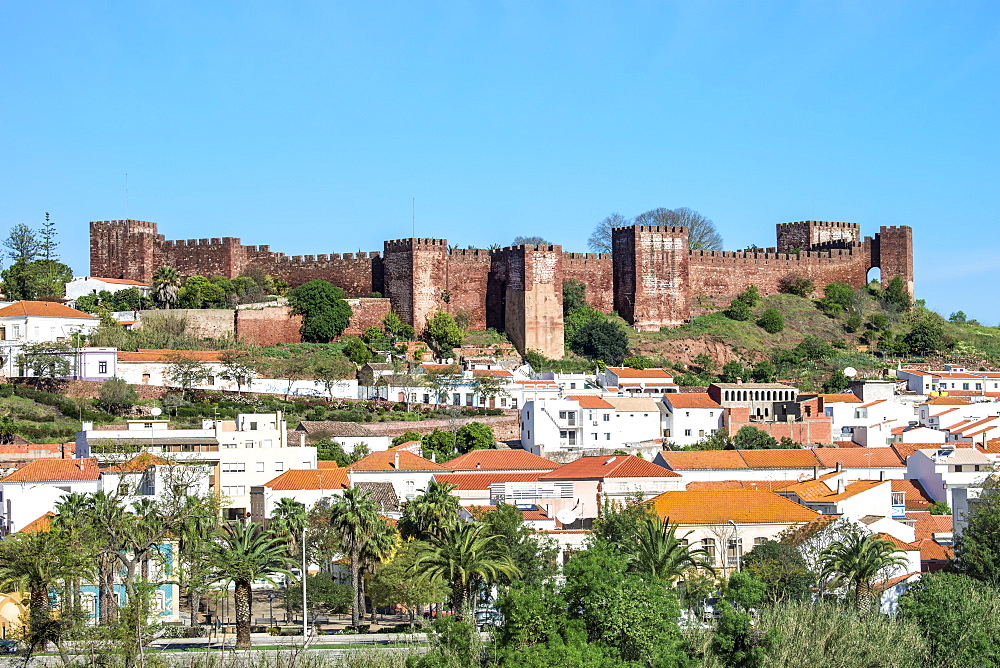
(839, 467)
(396, 464)
(815, 473)
(739, 381)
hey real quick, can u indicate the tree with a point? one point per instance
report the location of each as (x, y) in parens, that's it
(926, 337)
(356, 351)
(574, 294)
(702, 234)
(464, 556)
(395, 328)
(764, 372)
(431, 513)
(659, 554)
(782, 570)
(395, 583)
(534, 553)
(939, 508)
(579, 318)
(529, 241)
(604, 341)
(751, 296)
(242, 554)
(796, 284)
(354, 518)
(288, 520)
(474, 436)
(325, 313)
(895, 298)
(979, 543)
(166, 285)
(185, 372)
(858, 561)
(959, 616)
(771, 321)
(444, 332)
(329, 371)
(752, 438)
(48, 359)
(240, 366)
(837, 297)
(958, 317)
(117, 396)
(639, 362)
(738, 310)
(733, 370)
(600, 238)
(438, 446)
(737, 643)
(619, 522)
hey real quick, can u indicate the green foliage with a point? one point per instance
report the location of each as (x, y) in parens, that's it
(117, 397)
(926, 337)
(48, 359)
(534, 553)
(939, 508)
(836, 383)
(331, 451)
(837, 297)
(406, 438)
(574, 295)
(40, 279)
(979, 543)
(325, 313)
(959, 617)
(731, 371)
(356, 350)
(438, 446)
(639, 362)
(750, 296)
(782, 570)
(601, 340)
(895, 297)
(752, 438)
(705, 363)
(957, 317)
(857, 561)
(853, 323)
(878, 321)
(444, 332)
(738, 310)
(395, 328)
(618, 523)
(579, 318)
(771, 321)
(474, 436)
(764, 372)
(797, 284)
(371, 335)
(737, 643)
(327, 595)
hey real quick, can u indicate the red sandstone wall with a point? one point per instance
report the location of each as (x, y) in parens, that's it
(808, 234)
(466, 275)
(594, 270)
(268, 326)
(651, 275)
(366, 313)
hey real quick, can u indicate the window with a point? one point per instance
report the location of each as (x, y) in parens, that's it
(594, 435)
(687, 432)
(248, 444)
(666, 433)
(410, 490)
(260, 467)
(711, 413)
(701, 432)
(503, 402)
(760, 540)
(513, 403)
(234, 490)
(607, 436)
(102, 367)
(147, 425)
(267, 443)
(234, 467)
(898, 498)
(734, 550)
(279, 466)
(965, 386)
(958, 468)
(253, 426)
(687, 413)
(562, 415)
(228, 445)
(708, 544)
(17, 331)
(469, 399)
(572, 386)
(607, 417)
(568, 436)
(979, 386)
(456, 399)
(210, 380)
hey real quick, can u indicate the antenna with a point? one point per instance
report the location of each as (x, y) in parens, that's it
(413, 214)
(126, 195)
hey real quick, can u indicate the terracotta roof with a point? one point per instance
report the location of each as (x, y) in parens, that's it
(500, 460)
(904, 450)
(742, 507)
(624, 372)
(926, 525)
(876, 457)
(898, 544)
(386, 461)
(326, 465)
(532, 513)
(382, 493)
(915, 496)
(687, 460)
(872, 403)
(899, 579)
(38, 525)
(336, 428)
(140, 462)
(822, 490)
(779, 459)
(501, 373)
(599, 468)
(295, 479)
(163, 355)
(691, 400)
(634, 404)
(42, 309)
(947, 401)
(56, 470)
(470, 481)
(119, 281)
(590, 401)
(845, 398)
(732, 485)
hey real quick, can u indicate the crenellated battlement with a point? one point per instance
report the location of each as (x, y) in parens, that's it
(416, 244)
(661, 229)
(821, 223)
(586, 256)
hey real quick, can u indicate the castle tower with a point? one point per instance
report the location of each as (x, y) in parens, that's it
(530, 278)
(892, 253)
(816, 234)
(416, 279)
(650, 266)
(123, 249)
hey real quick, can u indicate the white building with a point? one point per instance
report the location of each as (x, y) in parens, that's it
(35, 489)
(307, 486)
(840, 409)
(689, 417)
(583, 422)
(31, 322)
(875, 421)
(92, 285)
(943, 470)
(638, 381)
(408, 473)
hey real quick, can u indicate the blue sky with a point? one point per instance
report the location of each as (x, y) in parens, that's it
(311, 126)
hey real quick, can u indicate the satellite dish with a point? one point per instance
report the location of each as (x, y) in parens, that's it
(850, 372)
(155, 411)
(566, 516)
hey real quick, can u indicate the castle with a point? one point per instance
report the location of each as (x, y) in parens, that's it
(651, 278)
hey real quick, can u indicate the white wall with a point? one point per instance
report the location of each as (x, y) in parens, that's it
(687, 426)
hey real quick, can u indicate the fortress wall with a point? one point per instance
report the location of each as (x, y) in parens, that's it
(595, 271)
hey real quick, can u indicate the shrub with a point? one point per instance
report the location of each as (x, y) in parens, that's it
(738, 310)
(771, 321)
(853, 323)
(750, 296)
(796, 284)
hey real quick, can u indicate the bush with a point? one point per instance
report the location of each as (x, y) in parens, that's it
(738, 310)
(878, 322)
(639, 362)
(117, 397)
(771, 321)
(853, 323)
(750, 296)
(601, 340)
(796, 284)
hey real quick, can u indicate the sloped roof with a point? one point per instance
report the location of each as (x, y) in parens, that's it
(898, 544)
(633, 404)
(301, 479)
(731, 485)
(164, 355)
(926, 524)
(326, 464)
(779, 459)
(599, 468)
(56, 470)
(876, 457)
(820, 490)
(947, 401)
(336, 428)
(42, 309)
(38, 525)
(140, 462)
(904, 450)
(691, 400)
(501, 460)
(470, 481)
(500, 373)
(843, 398)
(625, 372)
(915, 496)
(119, 281)
(382, 493)
(718, 507)
(386, 461)
(590, 401)
(687, 460)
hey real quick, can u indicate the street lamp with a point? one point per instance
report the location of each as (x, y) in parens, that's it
(270, 606)
(736, 544)
(305, 605)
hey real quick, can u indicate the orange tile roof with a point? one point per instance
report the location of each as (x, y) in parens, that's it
(904, 450)
(470, 481)
(718, 507)
(296, 479)
(140, 462)
(326, 465)
(730, 485)
(947, 401)
(163, 355)
(691, 400)
(502, 373)
(119, 281)
(845, 398)
(915, 496)
(820, 491)
(386, 461)
(501, 460)
(926, 525)
(703, 459)
(39, 525)
(590, 401)
(898, 544)
(599, 468)
(624, 372)
(779, 459)
(872, 403)
(56, 470)
(875, 457)
(42, 309)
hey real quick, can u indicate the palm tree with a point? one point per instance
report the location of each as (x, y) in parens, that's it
(354, 518)
(194, 533)
(244, 553)
(659, 554)
(379, 548)
(166, 283)
(858, 560)
(287, 522)
(463, 556)
(431, 513)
